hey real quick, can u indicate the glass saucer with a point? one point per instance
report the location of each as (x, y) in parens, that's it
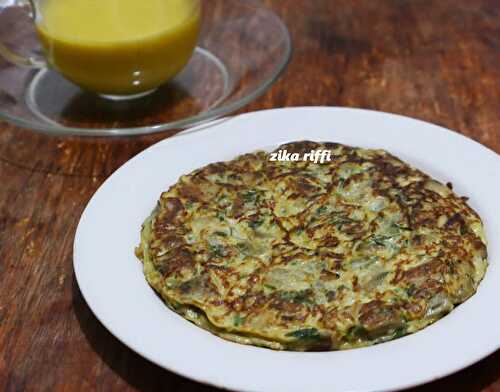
(243, 48)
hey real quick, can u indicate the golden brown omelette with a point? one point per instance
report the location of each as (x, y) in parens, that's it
(297, 255)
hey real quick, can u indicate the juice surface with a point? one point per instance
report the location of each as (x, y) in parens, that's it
(119, 46)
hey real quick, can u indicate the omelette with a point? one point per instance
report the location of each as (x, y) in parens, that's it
(307, 256)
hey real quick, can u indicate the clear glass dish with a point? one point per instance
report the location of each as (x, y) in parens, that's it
(243, 48)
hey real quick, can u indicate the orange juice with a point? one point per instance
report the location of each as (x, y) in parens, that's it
(119, 47)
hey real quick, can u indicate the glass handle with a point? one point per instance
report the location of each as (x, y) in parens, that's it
(12, 57)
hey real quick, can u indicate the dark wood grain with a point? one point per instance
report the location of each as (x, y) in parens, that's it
(434, 60)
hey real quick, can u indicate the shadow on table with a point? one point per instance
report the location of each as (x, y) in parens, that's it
(146, 376)
(135, 370)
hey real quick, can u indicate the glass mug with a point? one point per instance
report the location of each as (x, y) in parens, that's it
(116, 48)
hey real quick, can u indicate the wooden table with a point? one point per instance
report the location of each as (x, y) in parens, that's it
(434, 60)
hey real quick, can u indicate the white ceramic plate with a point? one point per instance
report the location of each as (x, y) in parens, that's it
(111, 279)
